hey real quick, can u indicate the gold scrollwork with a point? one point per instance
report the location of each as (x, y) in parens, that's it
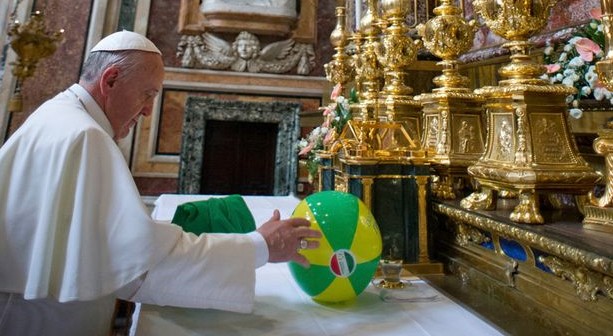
(577, 256)
(467, 234)
(587, 283)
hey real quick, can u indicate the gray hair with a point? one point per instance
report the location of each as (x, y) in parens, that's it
(98, 61)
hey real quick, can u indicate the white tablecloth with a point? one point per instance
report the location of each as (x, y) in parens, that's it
(282, 308)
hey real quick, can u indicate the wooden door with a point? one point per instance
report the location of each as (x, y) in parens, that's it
(238, 158)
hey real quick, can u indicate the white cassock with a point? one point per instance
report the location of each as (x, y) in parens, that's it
(75, 235)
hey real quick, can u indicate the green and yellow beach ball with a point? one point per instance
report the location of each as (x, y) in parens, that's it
(349, 251)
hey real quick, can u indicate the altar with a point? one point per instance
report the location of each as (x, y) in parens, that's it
(281, 308)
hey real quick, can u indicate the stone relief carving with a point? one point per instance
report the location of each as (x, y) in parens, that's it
(207, 51)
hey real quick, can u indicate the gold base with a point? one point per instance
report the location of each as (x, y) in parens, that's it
(425, 268)
(598, 219)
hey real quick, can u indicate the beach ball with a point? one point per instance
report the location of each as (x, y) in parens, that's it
(349, 250)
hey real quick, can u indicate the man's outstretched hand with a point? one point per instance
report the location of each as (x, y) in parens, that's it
(285, 238)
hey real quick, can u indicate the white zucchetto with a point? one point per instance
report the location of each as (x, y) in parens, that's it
(126, 40)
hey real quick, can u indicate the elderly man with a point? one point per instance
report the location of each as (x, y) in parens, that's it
(74, 234)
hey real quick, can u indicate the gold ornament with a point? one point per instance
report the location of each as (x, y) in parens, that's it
(529, 148)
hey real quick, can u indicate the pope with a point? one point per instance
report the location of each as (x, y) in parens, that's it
(74, 233)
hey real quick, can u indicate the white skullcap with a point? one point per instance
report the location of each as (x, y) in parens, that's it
(126, 40)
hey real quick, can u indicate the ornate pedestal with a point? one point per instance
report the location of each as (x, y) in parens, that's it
(396, 193)
(454, 138)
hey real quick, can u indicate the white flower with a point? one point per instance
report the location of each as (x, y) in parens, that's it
(575, 113)
(585, 91)
(559, 77)
(572, 42)
(345, 105)
(569, 99)
(563, 57)
(568, 47)
(548, 50)
(576, 62)
(599, 93)
(568, 81)
(568, 72)
(591, 76)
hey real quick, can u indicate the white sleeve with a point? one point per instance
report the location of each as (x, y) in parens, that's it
(261, 248)
(206, 271)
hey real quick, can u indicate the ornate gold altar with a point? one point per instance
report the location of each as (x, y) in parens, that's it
(560, 273)
(529, 149)
(513, 138)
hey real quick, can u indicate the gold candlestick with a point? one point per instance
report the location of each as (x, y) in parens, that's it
(530, 149)
(401, 119)
(454, 133)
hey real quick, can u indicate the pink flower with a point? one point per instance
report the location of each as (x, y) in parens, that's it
(587, 49)
(326, 123)
(327, 111)
(329, 137)
(336, 91)
(596, 13)
(551, 68)
(306, 149)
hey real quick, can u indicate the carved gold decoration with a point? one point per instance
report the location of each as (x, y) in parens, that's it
(31, 42)
(587, 283)
(579, 257)
(339, 70)
(467, 234)
(454, 135)
(357, 42)
(460, 271)
(399, 51)
(375, 133)
(372, 73)
(529, 148)
(604, 67)
(207, 51)
(599, 213)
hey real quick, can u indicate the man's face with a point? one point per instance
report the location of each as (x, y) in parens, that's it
(133, 93)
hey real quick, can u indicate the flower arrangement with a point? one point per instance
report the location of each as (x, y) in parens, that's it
(574, 64)
(336, 115)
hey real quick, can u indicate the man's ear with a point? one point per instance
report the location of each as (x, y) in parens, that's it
(108, 79)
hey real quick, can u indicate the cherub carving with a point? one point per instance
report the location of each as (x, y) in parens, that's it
(245, 54)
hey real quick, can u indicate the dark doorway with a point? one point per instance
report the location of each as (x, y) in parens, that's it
(238, 158)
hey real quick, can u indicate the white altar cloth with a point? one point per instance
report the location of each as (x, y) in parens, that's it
(282, 308)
